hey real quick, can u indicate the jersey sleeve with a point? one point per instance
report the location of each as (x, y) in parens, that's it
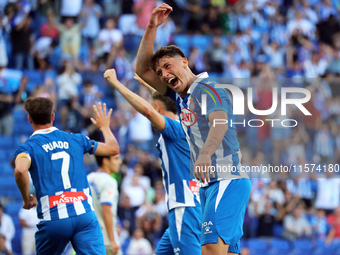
(173, 129)
(107, 194)
(24, 151)
(88, 145)
(217, 99)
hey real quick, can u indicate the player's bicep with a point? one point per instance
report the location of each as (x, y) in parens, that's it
(22, 163)
(218, 116)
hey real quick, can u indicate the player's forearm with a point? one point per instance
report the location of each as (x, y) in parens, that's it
(23, 183)
(214, 139)
(145, 51)
(136, 101)
(108, 222)
(110, 140)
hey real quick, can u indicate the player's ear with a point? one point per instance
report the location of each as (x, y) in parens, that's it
(52, 117)
(30, 119)
(184, 62)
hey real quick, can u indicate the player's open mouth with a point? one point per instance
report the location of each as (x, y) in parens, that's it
(173, 81)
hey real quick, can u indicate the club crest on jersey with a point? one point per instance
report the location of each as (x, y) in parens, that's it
(187, 115)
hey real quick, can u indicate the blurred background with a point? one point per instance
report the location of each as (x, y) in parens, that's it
(60, 49)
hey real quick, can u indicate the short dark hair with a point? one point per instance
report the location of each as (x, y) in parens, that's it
(100, 160)
(169, 104)
(166, 51)
(40, 109)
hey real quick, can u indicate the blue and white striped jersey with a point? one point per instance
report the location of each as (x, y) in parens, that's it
(227, 158)
(57, 171)
(181, 189)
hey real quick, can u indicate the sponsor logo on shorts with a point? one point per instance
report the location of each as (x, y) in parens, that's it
(177, 250)
(194, 188)
(207, 225)
(66, 198)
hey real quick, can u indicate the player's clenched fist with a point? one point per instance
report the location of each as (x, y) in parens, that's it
(111, 76)
(159, 15)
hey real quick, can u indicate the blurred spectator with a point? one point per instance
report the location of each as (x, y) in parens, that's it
(196, 61)
(7, 228)
(328, 193)
(323, 144)
(266, 220)
(90, 94)
(28, 222)
(22, 41)
(319, 225)
(140, 132)
(3, 50)
(301, 24)
(334, 222)
(42, 50)
(149, 220)
(295, 225)
(143, 9)
(70, 36)
(70, 8)
(165, 32)
(75, 120)
(195, 14)
(50, 28)
(67, 82)
(139, 245)
(3, 249)
(112, 8)
(327, 29)
(110, 37)
(211, 22)
(92, 12)
(214, 56)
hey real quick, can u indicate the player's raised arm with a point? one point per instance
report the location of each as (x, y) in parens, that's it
(145, 51)
(136, 101)
(102, 121)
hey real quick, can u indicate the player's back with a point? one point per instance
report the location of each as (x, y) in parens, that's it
(57, 171)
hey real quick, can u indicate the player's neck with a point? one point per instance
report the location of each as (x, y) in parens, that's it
(170, 115)
(103, 169)
(37, 127)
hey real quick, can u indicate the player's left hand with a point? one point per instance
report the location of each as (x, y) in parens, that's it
(102, 119)
(32, 202)
(202, 168)
(111, 76)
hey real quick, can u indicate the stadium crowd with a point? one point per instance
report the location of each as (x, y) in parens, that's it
(60, 49)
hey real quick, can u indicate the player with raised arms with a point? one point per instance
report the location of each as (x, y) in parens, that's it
(55, 161)
(182, 198)
(225, 194)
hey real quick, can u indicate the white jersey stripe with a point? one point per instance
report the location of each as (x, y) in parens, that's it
(172, 194)
(78, 206)
(188, 195)
(221, 188)
(62, 209)
(179, 212)
(89, 198)
(45, 208)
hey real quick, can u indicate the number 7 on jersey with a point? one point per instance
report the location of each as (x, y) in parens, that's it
(64, 167)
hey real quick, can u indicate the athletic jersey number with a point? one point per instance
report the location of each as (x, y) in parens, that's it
(64, 167)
